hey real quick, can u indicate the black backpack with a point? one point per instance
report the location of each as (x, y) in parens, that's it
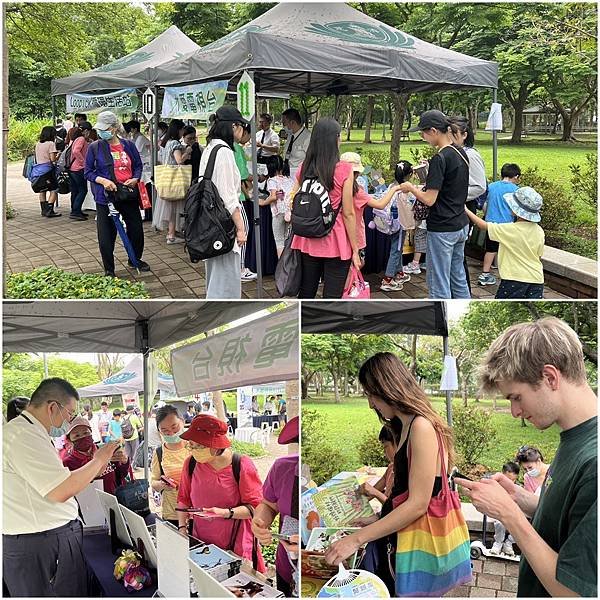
(312, 213)
(209, 229)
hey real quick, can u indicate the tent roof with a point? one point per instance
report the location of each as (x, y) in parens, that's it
(375, 316)
(134, 70)
(129, 380)
(329, 48)
(97, 326)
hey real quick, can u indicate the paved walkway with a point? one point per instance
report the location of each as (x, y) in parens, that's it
(34, 241)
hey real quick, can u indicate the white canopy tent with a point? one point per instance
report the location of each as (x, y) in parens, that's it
(129, 380)
(127, 326)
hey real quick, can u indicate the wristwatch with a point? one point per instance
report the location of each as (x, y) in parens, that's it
(230, 513)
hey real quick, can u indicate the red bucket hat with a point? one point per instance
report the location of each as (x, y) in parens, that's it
(208, 431)
(290, 434)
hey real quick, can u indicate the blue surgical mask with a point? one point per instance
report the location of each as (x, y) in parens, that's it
(105, 135)
(57, 432)
(173, 439)
(534, 472)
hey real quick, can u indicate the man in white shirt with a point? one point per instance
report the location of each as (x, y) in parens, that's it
(41, 535)
(297, 141)
(267, 141)
(104, 418)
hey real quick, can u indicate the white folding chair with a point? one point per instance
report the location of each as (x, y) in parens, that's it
(275, 425)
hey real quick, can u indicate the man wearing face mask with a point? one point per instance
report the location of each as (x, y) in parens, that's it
(294, 151)
(42, 537)
(80, 449)
(221, 484)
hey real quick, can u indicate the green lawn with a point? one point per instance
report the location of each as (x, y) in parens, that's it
(349, 421)
(551, 156)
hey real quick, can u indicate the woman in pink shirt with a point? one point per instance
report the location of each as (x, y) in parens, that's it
(213, 488)
(328, 257)
(79, 138)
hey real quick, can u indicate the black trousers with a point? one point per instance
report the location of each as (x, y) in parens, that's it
(333, 271)
(284, 586)
(46, 564)
(518, 290)
(107, 232)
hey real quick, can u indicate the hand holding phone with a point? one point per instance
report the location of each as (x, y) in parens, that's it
(170, 482)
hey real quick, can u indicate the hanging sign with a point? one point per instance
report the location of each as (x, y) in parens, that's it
(149, 104)
(261, 351)
(194, 101)
(449, 374)
(244, 406)
(121, 101)
(245, 96)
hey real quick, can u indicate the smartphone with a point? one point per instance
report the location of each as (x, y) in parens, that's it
(460, 476)
(170, 482)
(282, 537)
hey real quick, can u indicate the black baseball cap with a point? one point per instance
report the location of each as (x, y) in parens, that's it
(228, 112)
(432, 118)
(85, 125)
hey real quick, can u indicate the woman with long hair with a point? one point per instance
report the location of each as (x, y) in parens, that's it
(223, 272)
(174, 153)
(78, 140)
(329, 257)
(394, 394)
(46, 154)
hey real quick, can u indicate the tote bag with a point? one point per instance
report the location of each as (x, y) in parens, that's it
(433, 552)
(288, 273)
(172, 181)
(357, 287)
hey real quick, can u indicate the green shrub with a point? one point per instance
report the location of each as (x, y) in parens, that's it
(11, 213)
(269, 551)
(422, 153)
(22, 137)
(370, 450)
(573, 242)
(557, 213)
(474, 433)
(323, 459)
(253, 450)
(378, 159)
(584, 179)
(50, 283)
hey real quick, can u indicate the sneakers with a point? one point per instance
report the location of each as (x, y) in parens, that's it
(486, 279)
(391, 285)
(248, 275)
(507, 548)
(142, 266)
(175, 240)
(402, 277)
(413, 268)
(496, 548)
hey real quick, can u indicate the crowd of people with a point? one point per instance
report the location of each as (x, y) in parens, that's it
(192, 465)
(539, 367)
(115, 159)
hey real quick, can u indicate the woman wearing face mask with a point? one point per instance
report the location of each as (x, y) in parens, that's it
(213, 488)
(168, 460)
(110, 161)
(399, 401)
(223, 272)
(80, 449)
(532, 462)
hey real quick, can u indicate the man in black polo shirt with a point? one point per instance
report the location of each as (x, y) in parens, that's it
(539, 367)
(445, 192)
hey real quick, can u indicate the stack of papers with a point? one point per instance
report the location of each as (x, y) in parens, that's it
(215, 561)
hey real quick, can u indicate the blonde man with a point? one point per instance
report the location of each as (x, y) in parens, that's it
(539, 367)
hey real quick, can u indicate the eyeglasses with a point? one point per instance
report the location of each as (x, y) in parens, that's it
(71, 415)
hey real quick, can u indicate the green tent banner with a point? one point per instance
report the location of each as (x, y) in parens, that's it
(121, 101)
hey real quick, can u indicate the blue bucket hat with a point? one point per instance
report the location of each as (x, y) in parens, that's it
(526, 203)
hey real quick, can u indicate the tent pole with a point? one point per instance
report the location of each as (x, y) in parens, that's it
(259, 284)
(448, 392)
(495, 142)
(146, 391)
(154, 145)
(53, 111)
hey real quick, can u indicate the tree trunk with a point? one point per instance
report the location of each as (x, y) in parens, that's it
(369, 118)
(399, 101)
(518, 125)
(349, 121)
(304, 388)
(336, 389)
(338, 108)
(4, 138)
(495, 403)
(413, 355)
(465, 391)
